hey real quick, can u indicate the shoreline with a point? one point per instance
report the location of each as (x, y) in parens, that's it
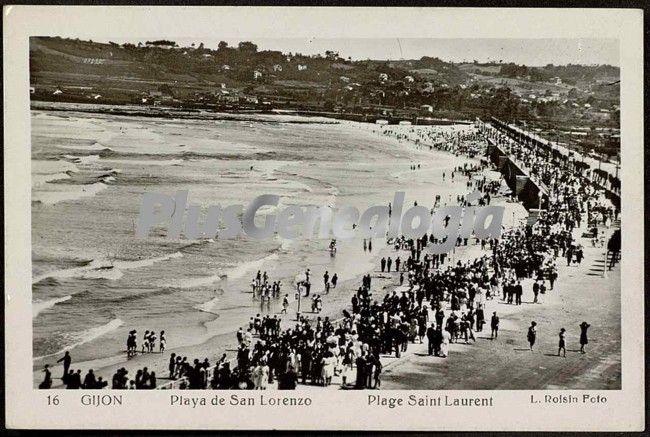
(170, 112)
(216, 344)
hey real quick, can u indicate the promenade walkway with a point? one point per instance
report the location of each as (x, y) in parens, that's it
(581, 293)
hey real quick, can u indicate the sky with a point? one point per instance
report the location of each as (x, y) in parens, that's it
(531, 52)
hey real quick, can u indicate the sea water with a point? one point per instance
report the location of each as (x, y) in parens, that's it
(93, 281)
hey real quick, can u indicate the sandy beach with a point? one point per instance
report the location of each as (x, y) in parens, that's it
(350, 263)
(505, 363)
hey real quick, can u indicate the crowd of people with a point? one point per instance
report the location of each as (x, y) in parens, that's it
(438, 300)
(148, 342)
(72, 379)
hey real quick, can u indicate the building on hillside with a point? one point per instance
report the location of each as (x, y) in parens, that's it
(426, 108)
(277, 67)
(257, 74)
(160, 45)
(383, 77)
(427, 87)
(301, 67)
(409, 79)
(225, 67)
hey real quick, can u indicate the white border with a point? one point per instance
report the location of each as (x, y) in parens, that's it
(26, 407)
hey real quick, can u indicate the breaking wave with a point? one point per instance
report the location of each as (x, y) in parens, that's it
(82, 337)
(41, 305)
(104, 269)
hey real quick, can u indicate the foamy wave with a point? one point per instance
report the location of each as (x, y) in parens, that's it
(126, 265)
(82, 159)
(233, 273)
(164, 162)
(68, 192)
(104, 269)
(208, 306)
(94, 147)
(242, 269)
(40, 179)
(41, 305)
(200, 282)
(86, 336)
(52, 167)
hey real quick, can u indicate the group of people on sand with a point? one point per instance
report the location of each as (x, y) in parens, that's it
(72, 379)
(532, 338)
(438, 299)
(264, 289)
(143, 380)
(148, 342)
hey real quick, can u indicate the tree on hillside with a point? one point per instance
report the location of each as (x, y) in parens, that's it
(162, 42)
(222, 45)
(247, 46)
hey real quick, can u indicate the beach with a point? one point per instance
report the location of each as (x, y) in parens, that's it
(93, 283)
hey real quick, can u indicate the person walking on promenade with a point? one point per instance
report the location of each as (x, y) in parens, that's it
(518, 292)
(431, 337)
(532, 334)
(562, 343)
(285, 304)
(535, 291)
(494, 323)
(583, 336)
(383, 265)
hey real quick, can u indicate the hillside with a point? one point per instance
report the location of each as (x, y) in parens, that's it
(233, 78)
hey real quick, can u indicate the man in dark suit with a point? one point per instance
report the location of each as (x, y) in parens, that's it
(518, 292)
(494, 323)
(431, 336)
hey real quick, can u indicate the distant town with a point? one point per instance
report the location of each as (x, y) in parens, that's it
(574, 105)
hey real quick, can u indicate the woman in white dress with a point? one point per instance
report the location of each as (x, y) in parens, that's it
(444, 346)
(261, 375)
(264, 381)
(328, 368)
